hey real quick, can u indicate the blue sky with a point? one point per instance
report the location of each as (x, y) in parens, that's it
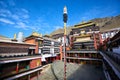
(45, 16)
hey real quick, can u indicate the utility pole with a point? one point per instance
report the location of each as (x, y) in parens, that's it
(65, 21)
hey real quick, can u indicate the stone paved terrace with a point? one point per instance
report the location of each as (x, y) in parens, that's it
(88, 72)
(74, 72)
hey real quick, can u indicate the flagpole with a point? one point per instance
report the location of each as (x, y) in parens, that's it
(65, 21)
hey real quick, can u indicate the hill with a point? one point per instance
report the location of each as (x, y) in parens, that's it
(104, 24)
(107, 22)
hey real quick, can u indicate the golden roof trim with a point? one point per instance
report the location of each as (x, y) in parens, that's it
(82, 35)
(84, 25)
(82, 41)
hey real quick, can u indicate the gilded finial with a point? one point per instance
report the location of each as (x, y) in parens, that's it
(14, 39)
(83, 21)
(97, 24)
(40, 35)
(36, 34)
(15, 36)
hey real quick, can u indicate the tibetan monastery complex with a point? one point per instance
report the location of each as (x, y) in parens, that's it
(24, 59)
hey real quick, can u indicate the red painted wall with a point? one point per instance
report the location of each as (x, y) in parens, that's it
(35, 63)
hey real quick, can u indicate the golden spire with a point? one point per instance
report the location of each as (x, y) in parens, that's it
(15, 36)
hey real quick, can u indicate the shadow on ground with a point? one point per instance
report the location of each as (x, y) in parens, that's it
(88, 72)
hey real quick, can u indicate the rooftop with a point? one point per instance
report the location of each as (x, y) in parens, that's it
(4, 38)
(12, 42)
(83, 24)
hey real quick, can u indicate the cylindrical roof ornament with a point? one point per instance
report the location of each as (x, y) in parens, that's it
(65, 10)
(65, 17)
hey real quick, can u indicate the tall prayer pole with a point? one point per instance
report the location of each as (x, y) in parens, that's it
(65, 21)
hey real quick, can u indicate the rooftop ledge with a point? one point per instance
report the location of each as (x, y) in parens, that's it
(18, 59)
(84, 58)
(82, 25)
(83, 51)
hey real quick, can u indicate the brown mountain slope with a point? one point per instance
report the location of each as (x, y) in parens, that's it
(61, 31)
(104, 24)
(108, 22)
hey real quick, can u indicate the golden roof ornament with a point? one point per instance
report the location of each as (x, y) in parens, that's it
(36, 34)
(14, 36)
(97, 24)
(82, 22)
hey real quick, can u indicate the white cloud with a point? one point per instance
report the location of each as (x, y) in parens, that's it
(91, 13)
(41, 23)
(34, 28)
(22, 13)
(97, 11)
(3, 4)
(21, 18)
(26, 16)
(5, 12)
(58, 27)
(15, 17)
(6, 21)
(21, 25)
(11, 2)
(24, 10)
(46, 32)
(18, 15)
(3, 15)
(26, 26)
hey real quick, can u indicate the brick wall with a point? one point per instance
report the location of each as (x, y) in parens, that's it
(33, 41)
